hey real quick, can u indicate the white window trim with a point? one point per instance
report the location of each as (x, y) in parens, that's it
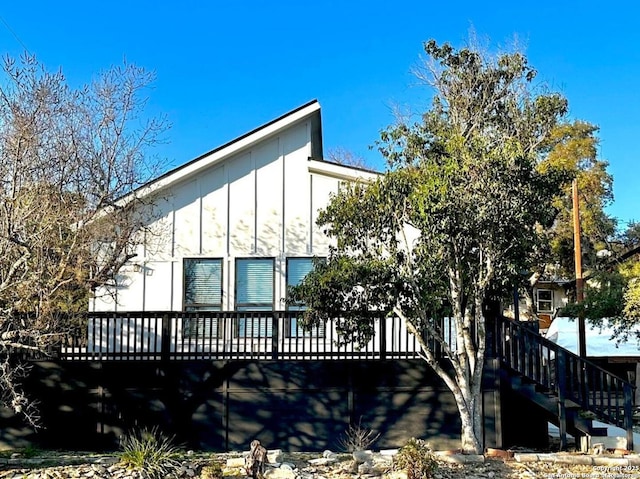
(550, 301)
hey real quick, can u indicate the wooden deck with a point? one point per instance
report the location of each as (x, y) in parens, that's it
(275, 335)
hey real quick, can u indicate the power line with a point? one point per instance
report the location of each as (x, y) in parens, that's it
(15, 35)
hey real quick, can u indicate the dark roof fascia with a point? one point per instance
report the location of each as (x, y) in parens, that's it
(612, 262)
(626, 255)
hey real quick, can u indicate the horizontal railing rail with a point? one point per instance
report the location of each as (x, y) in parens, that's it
(170, 335)
(565, 374)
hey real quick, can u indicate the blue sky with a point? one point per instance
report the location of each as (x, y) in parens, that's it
(224, 68)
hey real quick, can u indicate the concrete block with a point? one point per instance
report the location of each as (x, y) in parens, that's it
(610, 461)
(526, 457)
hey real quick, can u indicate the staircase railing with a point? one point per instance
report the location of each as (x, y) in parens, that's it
(565, 374)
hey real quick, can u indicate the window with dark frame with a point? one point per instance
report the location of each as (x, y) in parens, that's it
(297, 269)
(254, 292)
(202, 292)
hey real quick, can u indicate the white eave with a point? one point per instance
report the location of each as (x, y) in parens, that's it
(233, 147)
(342, 172)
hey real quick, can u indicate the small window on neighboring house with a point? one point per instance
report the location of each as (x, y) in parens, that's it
(202, 292)
(297, 269)
(544, 300)
(254, 292)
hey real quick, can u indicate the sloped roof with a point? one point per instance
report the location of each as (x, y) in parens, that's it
(193, 167)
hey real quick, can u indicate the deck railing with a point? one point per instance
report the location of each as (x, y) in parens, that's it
(166, 335)
(566, 375)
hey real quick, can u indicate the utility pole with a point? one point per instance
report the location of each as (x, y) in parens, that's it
(582, 346)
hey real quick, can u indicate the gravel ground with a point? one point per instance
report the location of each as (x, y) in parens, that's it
(489, 468)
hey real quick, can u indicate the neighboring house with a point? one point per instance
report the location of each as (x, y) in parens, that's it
(549, 296)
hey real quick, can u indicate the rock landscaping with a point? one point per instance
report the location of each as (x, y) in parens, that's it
(329, 465)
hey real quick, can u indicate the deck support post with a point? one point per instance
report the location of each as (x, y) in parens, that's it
(561, 384)
(628, 414)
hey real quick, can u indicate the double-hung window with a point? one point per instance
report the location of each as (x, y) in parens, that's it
(544, 300)
(202, 292)
(254, 292)
(297, 269)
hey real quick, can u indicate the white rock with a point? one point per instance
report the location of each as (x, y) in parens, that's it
(321, 461)
(235, 462)
(279, 474)
(275, 455)
(362, 456)
(389, 452)
(397, 475)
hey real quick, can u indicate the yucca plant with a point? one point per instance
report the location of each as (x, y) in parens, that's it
(150, 452)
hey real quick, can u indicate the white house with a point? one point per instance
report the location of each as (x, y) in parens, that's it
(240, 218)
(228, 231)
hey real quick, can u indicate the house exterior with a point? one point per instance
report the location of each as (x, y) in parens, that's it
(195, 335)
(228, 231)
(549, 296)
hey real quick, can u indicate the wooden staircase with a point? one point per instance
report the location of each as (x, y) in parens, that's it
(573, 390)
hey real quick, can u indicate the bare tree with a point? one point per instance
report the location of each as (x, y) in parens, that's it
(66, 156)
(342, 156)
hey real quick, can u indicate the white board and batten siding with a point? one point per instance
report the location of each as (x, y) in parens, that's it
(255, 197)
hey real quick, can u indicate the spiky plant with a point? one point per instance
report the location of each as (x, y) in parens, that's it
(150, 452)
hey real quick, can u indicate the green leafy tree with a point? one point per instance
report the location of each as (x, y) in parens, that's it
(612, 290)
(631, 310)
(572, 147)
(66, 156)
(451, 223)
(629, 269)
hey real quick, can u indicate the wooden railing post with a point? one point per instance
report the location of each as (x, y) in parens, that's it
(383, 337)
(628, 414)
(165, 339)
(561, 385)
(275, 331)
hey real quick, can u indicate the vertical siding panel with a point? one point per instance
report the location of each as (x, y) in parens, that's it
(213, 185)
(269, 184)
(323, 187)
(187, 219)
(241, 205)
(296, 147)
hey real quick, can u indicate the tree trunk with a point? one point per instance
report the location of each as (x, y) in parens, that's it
(471, 420)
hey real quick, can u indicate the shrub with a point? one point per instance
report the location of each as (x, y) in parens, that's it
(212, 471)
(358, 438)
(417, 459)
(150, 453)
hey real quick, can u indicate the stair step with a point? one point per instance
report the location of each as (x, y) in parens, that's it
(581, 378)
(545, 390)
(527, 380)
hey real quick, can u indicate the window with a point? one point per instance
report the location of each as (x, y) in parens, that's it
(254, 292)
(202, 292)
(297, 269)
(544, 300)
